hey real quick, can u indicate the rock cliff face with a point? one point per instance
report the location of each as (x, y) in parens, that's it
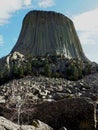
(51, 33)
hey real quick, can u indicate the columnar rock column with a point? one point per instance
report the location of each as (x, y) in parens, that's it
(51, 33)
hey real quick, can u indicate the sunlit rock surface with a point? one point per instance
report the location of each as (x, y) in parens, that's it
(6, 124)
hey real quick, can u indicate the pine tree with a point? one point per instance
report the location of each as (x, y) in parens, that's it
(47, 70)
(1, 75)
(6, 72)
(18, 71)
(72, 72)
(28, 68)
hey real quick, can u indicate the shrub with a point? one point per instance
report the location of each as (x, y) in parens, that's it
(87, 70)
(27, 68)
(6, 73)
(36, 64)
(1, 74)
(72, 72)
(18, 71)
(56, 75)
(47, 70)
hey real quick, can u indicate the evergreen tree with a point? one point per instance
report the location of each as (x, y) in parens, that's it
(6, 72)
(47, 70)
(1, 75)
(15, 71)
(87, 70)
(72, 72)
(18, 71)
(28, 68)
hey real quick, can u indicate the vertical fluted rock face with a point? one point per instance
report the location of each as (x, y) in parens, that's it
(51, 33)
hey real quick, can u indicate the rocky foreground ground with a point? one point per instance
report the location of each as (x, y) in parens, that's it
(40, 88)
(46, 99)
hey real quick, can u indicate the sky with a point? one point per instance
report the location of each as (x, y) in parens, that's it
(84, 14)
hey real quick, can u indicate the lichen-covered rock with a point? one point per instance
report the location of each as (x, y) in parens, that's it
(48, 33)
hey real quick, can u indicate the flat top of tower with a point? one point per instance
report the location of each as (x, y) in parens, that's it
(42, 12)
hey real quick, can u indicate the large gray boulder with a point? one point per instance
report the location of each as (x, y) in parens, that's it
(5, 124)
(73, 113)
(50, 33)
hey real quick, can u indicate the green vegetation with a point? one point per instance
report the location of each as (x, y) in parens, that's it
(27, 69)
(72, 72)
(37, 63)
(47, 70)
(87, 70)
(50, 66)
(56, 75)
(20, 72)
(6, 72)
(1, 74)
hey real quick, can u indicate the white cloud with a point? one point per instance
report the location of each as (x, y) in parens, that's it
(87, 20)
(46, 3)
(87, 26)
(8, 7)
(88, 37)
(1, 40)
(27, 2)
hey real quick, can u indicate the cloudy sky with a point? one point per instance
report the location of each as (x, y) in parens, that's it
(84, 13)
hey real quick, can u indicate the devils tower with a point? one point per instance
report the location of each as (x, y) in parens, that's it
(47, 32)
